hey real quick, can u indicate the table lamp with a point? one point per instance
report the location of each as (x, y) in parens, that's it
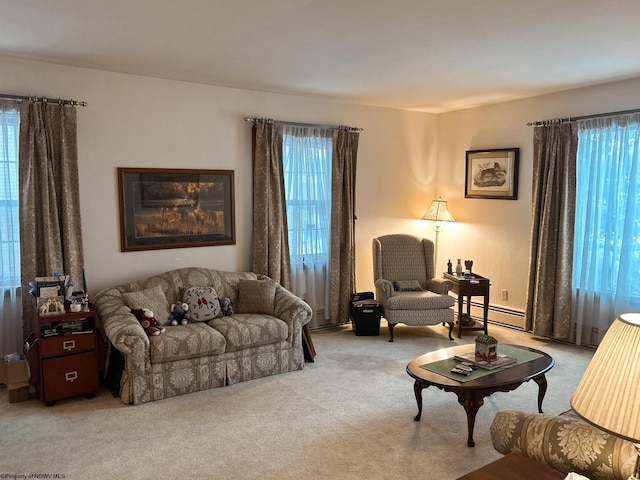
(608, 395)
(438, 212)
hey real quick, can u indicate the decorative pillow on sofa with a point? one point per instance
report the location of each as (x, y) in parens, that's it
(407, 286)
(256, 296)
(203, 303)
(152, 298)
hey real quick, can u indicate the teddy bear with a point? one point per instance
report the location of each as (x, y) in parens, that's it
(148, 321)
(179, 315)
(226, 306)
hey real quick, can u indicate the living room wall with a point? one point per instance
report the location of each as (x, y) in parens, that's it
(495, 233)
(134, 121)
(405, 160)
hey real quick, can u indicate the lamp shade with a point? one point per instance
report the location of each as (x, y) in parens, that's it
(438, 211)
(608, 395)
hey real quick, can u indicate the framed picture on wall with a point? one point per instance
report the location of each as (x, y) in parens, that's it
(175, 208)
(492, 174)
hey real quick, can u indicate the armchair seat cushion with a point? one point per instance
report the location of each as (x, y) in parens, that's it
(186, 341)
(246, 330)
(423, 300)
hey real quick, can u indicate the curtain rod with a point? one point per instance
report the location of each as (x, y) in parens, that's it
(33, 98)
(583, 117)
(297, 124)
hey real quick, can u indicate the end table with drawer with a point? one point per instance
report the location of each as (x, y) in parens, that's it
(63, 354)
(470, 285)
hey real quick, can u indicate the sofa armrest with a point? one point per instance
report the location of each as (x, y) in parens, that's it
(564, 443)
(292, 310)
(439, 285)
(384, 290)
(123, 329)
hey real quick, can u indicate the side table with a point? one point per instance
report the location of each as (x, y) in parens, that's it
(470, 286)
(514, 467)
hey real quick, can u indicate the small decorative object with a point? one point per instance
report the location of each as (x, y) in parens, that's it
(226, 305)
(75, 306)
(179, 314)
(459, 267)
(468, 264)
(449, 267)
(148, 321)
(486, 348)
(51, 305)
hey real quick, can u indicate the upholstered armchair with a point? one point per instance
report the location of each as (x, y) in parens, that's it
(403, 272)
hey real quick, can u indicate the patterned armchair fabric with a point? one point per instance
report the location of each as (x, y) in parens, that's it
(202, 355)
(565, 443)
(399, 259)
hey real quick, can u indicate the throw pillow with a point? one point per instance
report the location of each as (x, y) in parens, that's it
(256, 296)
(407, 286)
(153, 299)
(203, 303)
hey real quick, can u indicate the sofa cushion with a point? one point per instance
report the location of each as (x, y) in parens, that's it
(245, 330)
(186, 341)
(203, 303)
(256, 296)
(153, 299)
(407, 286)
(424, 300)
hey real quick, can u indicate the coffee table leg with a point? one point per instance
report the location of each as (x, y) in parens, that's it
(471, 404)
(417, 390)
(541, 380)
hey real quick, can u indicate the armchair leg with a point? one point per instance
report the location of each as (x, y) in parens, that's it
(391, 326)
(451, 324)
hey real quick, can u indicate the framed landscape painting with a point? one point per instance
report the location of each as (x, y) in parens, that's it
(175, 208)
(492, 174)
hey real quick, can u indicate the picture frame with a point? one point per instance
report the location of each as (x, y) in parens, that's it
(492, 174)
(175, 208)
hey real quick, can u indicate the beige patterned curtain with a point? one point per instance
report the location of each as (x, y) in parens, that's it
(270, 242)
(50, 227)
(343, 218)
(549, 291)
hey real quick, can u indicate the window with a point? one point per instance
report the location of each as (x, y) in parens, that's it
(307, 174)
(9, 226)
(606, 266)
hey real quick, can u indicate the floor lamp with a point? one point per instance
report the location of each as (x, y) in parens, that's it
(438, 212)
(608, 395)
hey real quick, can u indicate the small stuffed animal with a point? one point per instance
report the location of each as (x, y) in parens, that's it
(179, 315)
(148, 321)
(226, 306)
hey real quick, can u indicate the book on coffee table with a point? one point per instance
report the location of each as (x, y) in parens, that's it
(500, 361)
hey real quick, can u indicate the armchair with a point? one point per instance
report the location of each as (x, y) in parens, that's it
(403, 272)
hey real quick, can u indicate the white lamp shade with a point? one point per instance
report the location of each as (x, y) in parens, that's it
(608, 395)
(438, 211)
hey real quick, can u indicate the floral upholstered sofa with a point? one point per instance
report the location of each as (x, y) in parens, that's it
(564, 442)
(263, 335)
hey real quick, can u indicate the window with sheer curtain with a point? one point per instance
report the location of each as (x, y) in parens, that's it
(306, 158)
(606, 266)
(11, 319)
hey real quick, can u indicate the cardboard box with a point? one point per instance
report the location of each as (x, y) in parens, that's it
(16, 375)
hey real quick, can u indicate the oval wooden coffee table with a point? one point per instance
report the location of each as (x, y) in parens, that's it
(471, 393)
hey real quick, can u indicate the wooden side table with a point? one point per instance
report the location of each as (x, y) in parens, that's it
(64, 362)
(470, 286)
(514, 467)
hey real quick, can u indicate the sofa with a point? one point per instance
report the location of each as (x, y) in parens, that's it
(565, 443)
(262, 336)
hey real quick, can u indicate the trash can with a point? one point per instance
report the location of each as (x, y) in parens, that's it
(365, 314)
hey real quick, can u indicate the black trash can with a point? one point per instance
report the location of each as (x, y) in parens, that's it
(365, 314)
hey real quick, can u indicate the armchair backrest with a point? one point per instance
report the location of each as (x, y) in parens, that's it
(403, 257)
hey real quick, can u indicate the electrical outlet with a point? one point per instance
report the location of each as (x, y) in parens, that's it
(505, 294)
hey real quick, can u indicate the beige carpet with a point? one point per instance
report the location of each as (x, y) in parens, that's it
(349, 415)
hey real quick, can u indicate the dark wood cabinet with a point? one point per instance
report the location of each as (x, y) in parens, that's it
(63, 355)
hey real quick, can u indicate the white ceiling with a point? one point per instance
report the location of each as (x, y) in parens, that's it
(430, 55)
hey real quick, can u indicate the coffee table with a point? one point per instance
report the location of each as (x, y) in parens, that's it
(471, 393)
